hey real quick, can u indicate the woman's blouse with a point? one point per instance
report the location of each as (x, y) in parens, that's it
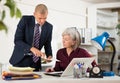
(65, 59)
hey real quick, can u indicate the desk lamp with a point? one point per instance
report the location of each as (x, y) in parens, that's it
(100, 43)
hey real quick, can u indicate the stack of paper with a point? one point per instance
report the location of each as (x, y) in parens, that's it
(21, 70)
(19, 73)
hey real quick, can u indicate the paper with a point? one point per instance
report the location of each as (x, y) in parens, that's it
(20, 69)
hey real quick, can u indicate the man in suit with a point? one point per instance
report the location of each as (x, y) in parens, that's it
(24, 49)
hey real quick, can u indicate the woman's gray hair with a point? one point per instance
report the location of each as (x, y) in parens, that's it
(74, 34)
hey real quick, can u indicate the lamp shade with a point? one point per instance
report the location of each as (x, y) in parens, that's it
(100, 41)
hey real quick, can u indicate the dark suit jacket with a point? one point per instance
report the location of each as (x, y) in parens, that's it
(24, 38)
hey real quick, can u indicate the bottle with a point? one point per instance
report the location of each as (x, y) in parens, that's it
(84, 70)
(77, 71)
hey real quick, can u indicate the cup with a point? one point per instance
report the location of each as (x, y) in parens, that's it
(77, 71)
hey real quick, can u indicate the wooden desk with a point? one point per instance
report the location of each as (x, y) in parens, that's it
(51, 79)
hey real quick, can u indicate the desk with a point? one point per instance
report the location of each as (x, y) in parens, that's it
(51, 79)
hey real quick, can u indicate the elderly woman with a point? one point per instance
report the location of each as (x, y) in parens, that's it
(71, 43)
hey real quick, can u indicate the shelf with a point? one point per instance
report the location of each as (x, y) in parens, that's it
(106, 13)
(105, 52)
(106, 27)
(107, 19)
(112, 38)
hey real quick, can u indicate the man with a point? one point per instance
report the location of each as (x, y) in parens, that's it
(25, 49)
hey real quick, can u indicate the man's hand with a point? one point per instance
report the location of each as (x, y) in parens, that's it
(37, 52)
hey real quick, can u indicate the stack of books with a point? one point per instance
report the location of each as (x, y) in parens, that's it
(19, 73)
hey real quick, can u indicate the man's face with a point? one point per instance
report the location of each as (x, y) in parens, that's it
(40, 18)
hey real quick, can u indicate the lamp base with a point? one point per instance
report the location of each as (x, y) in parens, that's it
(108, 73)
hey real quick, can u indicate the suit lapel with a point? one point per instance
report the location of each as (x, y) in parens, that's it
(32, 30)
(43, 34)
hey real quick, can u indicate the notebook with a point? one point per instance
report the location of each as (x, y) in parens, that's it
(57, 74)
(69, 70)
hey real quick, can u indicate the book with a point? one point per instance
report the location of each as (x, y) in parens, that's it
(13, 76)
(19, 73)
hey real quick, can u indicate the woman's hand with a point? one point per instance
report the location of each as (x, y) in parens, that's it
(49, 70)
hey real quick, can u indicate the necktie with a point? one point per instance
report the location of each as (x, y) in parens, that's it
(36, 41)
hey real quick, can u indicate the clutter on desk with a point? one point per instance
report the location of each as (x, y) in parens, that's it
(19, 73)
(79, 70)
(21, 69)
(96, 72)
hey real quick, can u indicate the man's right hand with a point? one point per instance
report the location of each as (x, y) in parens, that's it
(37, 52)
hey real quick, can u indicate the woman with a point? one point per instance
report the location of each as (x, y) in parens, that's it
(71, 42)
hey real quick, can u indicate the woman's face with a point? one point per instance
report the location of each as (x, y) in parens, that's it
(67, 41)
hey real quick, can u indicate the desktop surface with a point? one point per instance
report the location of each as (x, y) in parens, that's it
(52, 79)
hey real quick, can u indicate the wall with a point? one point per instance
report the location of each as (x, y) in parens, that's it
(62, 14)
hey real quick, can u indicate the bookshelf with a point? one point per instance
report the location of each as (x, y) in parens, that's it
(106, 22)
